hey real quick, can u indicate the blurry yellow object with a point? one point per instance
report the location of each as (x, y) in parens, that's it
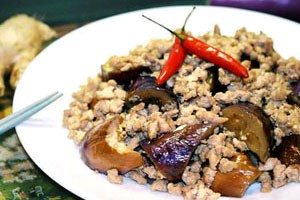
(21, 39)
(7, 111)
(2, 197)
(3, 113)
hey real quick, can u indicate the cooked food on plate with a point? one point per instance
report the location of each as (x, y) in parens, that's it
(201, 118)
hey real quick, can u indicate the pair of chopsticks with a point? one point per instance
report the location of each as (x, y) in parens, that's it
(23, 114)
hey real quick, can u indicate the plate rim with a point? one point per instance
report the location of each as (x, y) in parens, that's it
(15, 104)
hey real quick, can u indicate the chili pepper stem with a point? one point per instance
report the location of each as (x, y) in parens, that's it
(176, 57)
(181, 37)
(186, 19)
(207, 52)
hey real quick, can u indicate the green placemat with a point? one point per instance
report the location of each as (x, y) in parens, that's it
(20, 178)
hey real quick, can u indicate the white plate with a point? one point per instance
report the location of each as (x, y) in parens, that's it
(66, 64)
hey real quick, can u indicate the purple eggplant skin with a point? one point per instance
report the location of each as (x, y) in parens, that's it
(297, 88)
(288, 152)
(143, 81)
(171, 152)
(286, 8)
(145, 89)
(294, 96)
(122, 77)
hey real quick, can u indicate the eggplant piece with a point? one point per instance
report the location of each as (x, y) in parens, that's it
(252, 157)
(172, 151)
(146, 90)
(251, 125)
(102, 149)
(122, 77)
(213, 81)
(236, 182)
(143, 81)
(288, 152)
(294, 96)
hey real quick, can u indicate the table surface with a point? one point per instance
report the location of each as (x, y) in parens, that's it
(20, 178)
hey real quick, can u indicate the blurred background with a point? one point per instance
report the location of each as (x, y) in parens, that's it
(76, 11)
(80, 11)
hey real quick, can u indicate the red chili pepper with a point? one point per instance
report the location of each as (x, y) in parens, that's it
(214, 55)
(176, 57)
(174, 62)
(209, 53)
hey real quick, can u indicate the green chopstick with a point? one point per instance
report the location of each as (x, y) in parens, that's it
(23, 114)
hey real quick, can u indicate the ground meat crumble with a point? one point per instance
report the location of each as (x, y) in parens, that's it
(268, 85)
